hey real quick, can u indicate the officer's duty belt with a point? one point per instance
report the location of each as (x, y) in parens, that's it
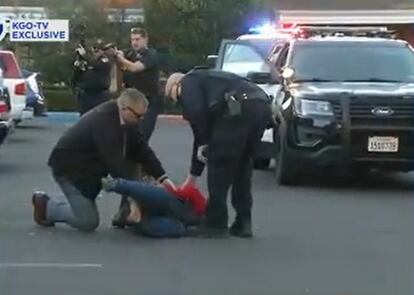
(240, 95)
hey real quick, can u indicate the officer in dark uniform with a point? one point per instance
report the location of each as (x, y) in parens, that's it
(228, 115)
(93, 80)
(141, 71)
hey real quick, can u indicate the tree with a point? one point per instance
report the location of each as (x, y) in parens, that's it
(192, 29)
(54, 60)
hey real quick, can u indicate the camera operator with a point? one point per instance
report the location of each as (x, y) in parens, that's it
(93, 78)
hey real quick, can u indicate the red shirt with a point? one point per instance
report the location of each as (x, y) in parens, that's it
(194, 196)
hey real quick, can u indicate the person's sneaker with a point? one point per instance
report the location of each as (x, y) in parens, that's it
(120, 218)
(241, 229)
(39, 201)
(108, 183)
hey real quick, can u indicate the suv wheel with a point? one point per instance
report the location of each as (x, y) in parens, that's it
(285, 174)
(261, 163)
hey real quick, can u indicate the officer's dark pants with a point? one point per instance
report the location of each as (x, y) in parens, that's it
(87, 100)
(149, 121)
(230, 162)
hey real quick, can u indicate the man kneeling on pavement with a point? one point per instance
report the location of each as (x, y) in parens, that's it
(105, 141)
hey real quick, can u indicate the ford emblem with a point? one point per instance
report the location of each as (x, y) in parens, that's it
(382, 111)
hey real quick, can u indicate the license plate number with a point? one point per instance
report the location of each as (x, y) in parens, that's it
(383, 144)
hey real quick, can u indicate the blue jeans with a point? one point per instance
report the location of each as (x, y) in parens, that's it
(164, 215)
(78, 210)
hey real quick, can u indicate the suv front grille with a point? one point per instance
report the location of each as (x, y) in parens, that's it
(361, 113)
(337, 108)
(364, 123)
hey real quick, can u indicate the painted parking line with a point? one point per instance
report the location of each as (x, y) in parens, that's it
(49, 265)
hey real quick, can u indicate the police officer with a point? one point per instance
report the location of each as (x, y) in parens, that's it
(141, 71)
(228, 115)
(94, 77)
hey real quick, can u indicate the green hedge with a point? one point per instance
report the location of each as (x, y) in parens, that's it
(60, 99)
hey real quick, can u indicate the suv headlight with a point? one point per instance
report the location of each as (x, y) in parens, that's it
(306, 107)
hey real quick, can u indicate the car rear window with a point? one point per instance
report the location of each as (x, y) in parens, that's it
(9, 65)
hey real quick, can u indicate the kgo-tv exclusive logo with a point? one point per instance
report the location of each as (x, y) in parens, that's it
(47, 30)
(3, 29)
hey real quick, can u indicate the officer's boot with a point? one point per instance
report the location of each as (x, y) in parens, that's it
(241, 228)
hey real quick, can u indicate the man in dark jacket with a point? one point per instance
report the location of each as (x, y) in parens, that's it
(228, 115)
(104, 141)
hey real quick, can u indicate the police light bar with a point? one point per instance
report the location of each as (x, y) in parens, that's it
(285, 26)
(324, 31)
(263, 29)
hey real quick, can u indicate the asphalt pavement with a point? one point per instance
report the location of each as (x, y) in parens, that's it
(329, 236)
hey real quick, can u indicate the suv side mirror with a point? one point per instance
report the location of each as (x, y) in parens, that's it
(288, 73)
(260, 77)
(212, 61)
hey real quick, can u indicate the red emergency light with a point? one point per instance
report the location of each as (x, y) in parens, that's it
(285, 26)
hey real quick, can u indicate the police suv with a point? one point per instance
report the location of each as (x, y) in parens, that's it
(342, 98)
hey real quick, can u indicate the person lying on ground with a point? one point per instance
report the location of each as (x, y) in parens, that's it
(159, 211)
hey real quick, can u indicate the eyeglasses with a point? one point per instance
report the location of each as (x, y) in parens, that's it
(138, 116)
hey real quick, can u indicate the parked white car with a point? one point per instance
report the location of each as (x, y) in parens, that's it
(16, 84)
(5, 120)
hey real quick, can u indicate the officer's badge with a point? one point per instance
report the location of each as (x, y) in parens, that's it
(105, 59)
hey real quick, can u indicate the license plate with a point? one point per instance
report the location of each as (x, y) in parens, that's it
(383, 144)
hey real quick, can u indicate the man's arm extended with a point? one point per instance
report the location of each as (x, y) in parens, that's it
(131, 66)
(147, 61)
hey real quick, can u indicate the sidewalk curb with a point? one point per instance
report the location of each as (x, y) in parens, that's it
(75, 116)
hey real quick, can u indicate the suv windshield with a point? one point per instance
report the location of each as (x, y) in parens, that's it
(264, 46)
(352, 62)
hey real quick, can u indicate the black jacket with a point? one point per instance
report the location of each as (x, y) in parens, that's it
(203, 99)
(94, 148)
(97, 75)
(147, 80)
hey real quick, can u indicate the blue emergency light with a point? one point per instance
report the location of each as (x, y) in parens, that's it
(263, 29)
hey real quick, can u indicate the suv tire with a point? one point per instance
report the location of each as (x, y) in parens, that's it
(285, 174)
